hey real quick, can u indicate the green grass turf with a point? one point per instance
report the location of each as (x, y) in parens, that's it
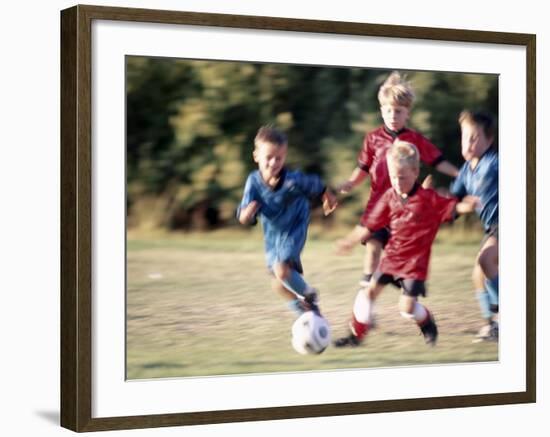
(202, 305)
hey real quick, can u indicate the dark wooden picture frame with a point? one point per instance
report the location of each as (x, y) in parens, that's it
(76, 218)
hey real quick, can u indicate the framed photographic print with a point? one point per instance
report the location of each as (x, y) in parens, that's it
(168, 317)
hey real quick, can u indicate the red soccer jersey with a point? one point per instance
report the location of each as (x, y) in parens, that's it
(372, 157)
(413, 224)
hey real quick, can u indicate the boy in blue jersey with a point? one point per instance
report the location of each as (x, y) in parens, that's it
(479, 177)
(281, 198)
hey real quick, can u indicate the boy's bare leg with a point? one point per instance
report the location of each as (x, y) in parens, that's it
(373, 250)
(407, 304)
(487, 330)
(487, 261)
(488, 258)
(373, 291)
(294, 303)
(293, 287)
(478, 278)
(280, 289)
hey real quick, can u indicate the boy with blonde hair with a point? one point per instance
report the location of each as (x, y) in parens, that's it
(412, 214)
(396, 98)
(282, 200)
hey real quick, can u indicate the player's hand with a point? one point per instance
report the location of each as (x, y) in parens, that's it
(468, 204)
(329, 202)
(428, 182)
(344, 187)
(248, 212)
(474, 201)
(344, 246)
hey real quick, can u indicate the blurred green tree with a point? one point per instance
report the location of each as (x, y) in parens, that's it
(191, 126)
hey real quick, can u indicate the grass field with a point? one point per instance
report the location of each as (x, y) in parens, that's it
(202, 305)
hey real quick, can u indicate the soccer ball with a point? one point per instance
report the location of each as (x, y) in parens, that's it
(310, 334)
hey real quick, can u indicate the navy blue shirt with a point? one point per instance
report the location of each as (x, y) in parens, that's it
(482, 182)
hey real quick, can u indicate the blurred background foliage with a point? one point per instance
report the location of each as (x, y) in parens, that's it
(191, 125)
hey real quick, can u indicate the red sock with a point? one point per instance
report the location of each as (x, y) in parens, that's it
(358, 329)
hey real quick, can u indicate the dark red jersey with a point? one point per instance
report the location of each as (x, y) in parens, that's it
(372, 157)
(413, 224)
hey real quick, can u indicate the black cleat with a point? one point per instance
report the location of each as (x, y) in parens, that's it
(429, 330)
(351, 341)
(311, 301)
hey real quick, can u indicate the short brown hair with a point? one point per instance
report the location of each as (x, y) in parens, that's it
(403, 153)
(479, 118)
(396, 90)
(271, 135)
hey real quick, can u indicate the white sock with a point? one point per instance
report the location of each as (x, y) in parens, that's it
(362, 308)
(419, 313)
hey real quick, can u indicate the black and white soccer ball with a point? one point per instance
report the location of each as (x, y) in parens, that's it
(310, 333)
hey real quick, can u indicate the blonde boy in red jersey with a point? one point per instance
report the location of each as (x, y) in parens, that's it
(396, 98)
(413, 215)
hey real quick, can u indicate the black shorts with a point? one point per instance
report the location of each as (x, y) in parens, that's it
(491, 232)
(381, 235)
(410, 287)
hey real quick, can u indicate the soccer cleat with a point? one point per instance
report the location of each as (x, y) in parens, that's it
(350, 340)
(429, 330)
(311, 300)
(487, 333)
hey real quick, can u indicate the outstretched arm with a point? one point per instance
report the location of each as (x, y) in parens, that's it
(329, 201)
(428, 182)
(356, 236)
(248, 213)
(357, 176)
(467, 205)
(249, 206)
(447, 168)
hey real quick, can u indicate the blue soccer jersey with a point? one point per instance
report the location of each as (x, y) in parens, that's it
(284, 212)
(482, 182)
